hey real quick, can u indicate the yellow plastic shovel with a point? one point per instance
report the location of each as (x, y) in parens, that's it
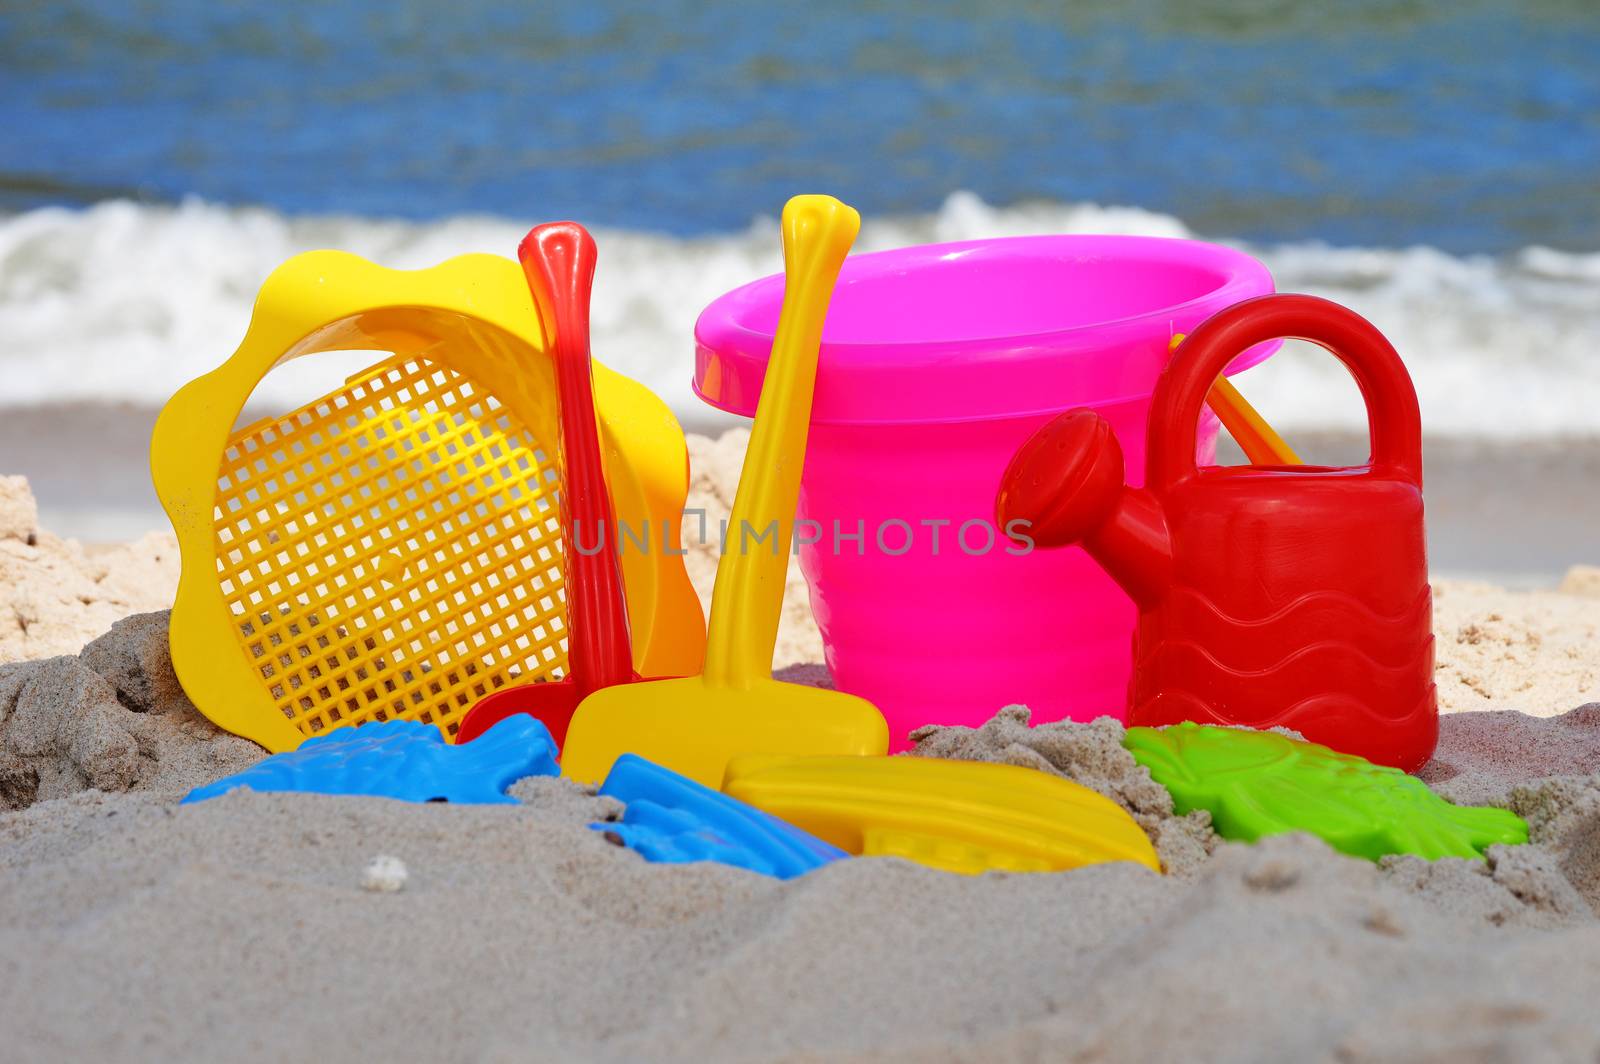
(694, 725)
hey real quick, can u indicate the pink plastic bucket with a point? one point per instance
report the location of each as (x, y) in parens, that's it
(937, 363)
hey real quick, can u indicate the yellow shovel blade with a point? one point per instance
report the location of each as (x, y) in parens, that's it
(694, 727)
(959, 816)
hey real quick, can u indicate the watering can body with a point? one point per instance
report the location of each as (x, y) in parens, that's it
(1293, 596)
(1297, 599)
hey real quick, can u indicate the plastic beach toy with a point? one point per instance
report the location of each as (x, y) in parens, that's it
(1276, 595)
(1260, 443)
(559, 260)
(671, 819)
(391, 550)
(1259, 440)
(694, 725)
(937, 363)
(402, 759)
(960, 816)
(1262, 783)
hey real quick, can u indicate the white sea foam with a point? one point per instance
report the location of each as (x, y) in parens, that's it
(126, 302)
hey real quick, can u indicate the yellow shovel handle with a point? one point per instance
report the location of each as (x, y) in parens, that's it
(1259, 441)
(747, 602)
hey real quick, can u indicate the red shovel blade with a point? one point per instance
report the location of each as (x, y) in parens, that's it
(558, 260)
(552, 703)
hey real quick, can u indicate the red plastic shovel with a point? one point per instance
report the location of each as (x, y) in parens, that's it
(559, 260)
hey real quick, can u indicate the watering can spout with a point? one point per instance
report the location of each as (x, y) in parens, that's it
(1065, 486)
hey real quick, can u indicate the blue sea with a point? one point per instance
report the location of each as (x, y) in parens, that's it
(1435, 165)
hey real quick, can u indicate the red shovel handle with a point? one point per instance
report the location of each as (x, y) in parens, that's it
(559, 261)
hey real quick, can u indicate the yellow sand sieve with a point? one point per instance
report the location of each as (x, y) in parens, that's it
(392, 549)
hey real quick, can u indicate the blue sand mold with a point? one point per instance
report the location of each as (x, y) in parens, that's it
(403, 759)
(674, 820)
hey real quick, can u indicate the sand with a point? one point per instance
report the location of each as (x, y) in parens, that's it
(55, 595)
(112, 718)
(1092, 755)
(243, 928)
(269, 927)
(1534, 651)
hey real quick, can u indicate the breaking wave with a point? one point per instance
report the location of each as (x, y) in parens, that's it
(124, 302)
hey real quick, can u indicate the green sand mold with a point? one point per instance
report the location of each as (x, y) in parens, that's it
(1261, 783)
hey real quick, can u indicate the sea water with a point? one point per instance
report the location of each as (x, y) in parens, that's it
(1435, 167)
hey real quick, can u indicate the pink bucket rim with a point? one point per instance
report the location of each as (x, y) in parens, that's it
(977, 378)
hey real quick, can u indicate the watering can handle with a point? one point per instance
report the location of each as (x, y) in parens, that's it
(558, 260)
(1385, 385)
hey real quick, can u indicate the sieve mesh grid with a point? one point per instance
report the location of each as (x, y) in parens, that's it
(391, 550)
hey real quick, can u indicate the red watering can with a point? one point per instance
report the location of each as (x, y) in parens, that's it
(1268, 595)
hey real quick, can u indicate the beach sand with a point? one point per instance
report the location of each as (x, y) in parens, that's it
(251, 927)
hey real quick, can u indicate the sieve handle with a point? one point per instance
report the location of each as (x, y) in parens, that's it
(748, 599)
(558, 260)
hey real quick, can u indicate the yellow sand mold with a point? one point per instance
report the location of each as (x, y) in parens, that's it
(959, 816)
